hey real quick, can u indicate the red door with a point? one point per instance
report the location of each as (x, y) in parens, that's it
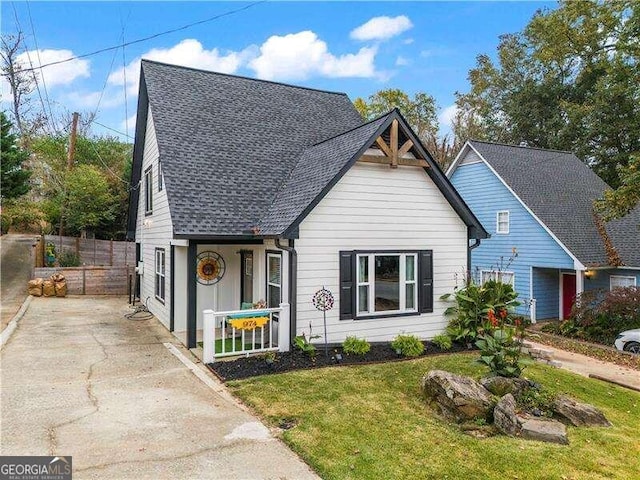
(568, 293)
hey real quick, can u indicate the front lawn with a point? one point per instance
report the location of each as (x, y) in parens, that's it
(370, 422)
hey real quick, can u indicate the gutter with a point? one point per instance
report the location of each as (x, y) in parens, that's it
(475, 244)
(293, 285)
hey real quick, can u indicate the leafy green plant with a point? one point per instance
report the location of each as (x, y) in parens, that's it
(443, 341)
(531, 399)
(501, 345)
(355, 346)
(270, 357)
(469, 314)
(408, 345)
(69, 259)
(304, 345)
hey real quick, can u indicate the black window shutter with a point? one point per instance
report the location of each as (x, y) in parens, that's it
(425, 273)
(347, 287)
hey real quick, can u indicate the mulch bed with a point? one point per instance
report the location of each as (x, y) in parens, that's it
(253, 366)
(593, 350)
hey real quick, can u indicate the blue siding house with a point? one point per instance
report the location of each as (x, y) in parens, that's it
(546, 238)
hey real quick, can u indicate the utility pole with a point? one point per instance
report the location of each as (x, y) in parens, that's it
(72, 150)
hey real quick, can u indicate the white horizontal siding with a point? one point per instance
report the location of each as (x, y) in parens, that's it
(155, 230)
(376, 207)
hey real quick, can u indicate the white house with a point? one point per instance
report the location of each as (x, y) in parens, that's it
(244, 189)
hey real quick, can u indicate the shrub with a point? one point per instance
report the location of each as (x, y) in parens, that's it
(443, 341)
(23, 215)
(69, 259)
(598, 315)
(355, 346)
(408, 345)
(472, 304)
(305, 346)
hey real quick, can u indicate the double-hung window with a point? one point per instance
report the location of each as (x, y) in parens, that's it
(160, 274)
(507, 278)
(148, 191)
(502, 222)
(386, 283)
(274, 280)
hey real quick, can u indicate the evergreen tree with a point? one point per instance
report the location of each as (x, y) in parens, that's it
(15, 177)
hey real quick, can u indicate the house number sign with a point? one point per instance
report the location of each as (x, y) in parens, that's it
(249, 323)
(210, 268)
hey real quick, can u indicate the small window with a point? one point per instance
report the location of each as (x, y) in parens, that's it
(274, 280)
(507, 278)
(148, 191)
(160, 184)
(160, 274)
(386, 283)
(502, 222)
(619, 281)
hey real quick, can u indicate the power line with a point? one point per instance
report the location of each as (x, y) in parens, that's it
(112, 129)
(150, 37)
(44, 84)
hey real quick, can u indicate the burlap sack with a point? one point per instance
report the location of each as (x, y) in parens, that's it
(57, 277)
(61, 288)
(34, 287)
(48, 288)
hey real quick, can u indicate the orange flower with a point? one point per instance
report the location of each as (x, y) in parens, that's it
(503, 314)
(518, 322)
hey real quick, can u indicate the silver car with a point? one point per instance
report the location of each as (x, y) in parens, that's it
(629, 341)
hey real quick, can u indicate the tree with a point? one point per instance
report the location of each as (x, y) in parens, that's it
(421, 113)
(90, 202)
(568, 81)
(619, 202)
(15, 177)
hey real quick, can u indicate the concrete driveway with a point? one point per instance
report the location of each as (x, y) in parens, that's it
(16, 261)
(79, 379)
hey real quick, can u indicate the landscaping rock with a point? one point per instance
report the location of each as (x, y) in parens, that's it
(544, 431)
(579, 414)
(459, 398)
(500, 386)
(504, 416)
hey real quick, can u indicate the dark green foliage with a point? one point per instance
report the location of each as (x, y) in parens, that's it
(14, 175)
(408, 345)
(305, 346)
(600, 315)
(68, 258)
(355, 346)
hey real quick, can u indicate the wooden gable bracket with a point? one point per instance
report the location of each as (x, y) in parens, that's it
(392, 154)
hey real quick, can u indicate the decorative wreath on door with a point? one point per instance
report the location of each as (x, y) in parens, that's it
(210, 268)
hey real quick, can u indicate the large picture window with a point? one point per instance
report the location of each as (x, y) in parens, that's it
(160, 274)
(620, 281)
(274, 280)
(386, 283)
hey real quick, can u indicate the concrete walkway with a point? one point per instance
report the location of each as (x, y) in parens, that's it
(16, 264)
(588, 366)
(79, 379)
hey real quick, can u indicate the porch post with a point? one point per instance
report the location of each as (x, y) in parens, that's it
(283, 328)
(192, 312)
(579, 283)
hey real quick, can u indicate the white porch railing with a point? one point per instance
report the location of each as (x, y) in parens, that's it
(243, 327)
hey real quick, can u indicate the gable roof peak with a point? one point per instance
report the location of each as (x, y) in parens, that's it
(240, 77)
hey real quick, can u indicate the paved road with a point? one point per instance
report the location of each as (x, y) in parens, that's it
(15, 271)
(78, 379)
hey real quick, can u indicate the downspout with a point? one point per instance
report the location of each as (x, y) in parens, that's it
(475, 244)
(293, 285)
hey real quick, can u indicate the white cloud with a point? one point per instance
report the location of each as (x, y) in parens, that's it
(301, 55)
(89, 100)
(382, 28)
(188, 53)
(408, 41)
(402, 61)
(60, 74)
(447, 116)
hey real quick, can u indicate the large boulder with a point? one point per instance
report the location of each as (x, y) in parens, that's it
(504, 416)
(544, 430)
(459, 398)
(500, 386)
(579, 414)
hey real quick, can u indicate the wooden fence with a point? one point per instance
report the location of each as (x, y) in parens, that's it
(90, 251)
(91, 280)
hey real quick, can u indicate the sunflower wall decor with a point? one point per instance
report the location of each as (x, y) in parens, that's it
(210, 268)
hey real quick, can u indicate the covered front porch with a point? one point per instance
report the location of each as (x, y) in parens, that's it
(554, 291)
(230, 293)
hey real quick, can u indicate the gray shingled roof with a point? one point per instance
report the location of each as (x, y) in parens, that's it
(227, 143)
(560, 190)
(315, 170)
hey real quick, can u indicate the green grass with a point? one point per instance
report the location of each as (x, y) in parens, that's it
(371, 422)
(228, 345)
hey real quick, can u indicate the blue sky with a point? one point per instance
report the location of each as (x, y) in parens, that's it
(355, 47)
